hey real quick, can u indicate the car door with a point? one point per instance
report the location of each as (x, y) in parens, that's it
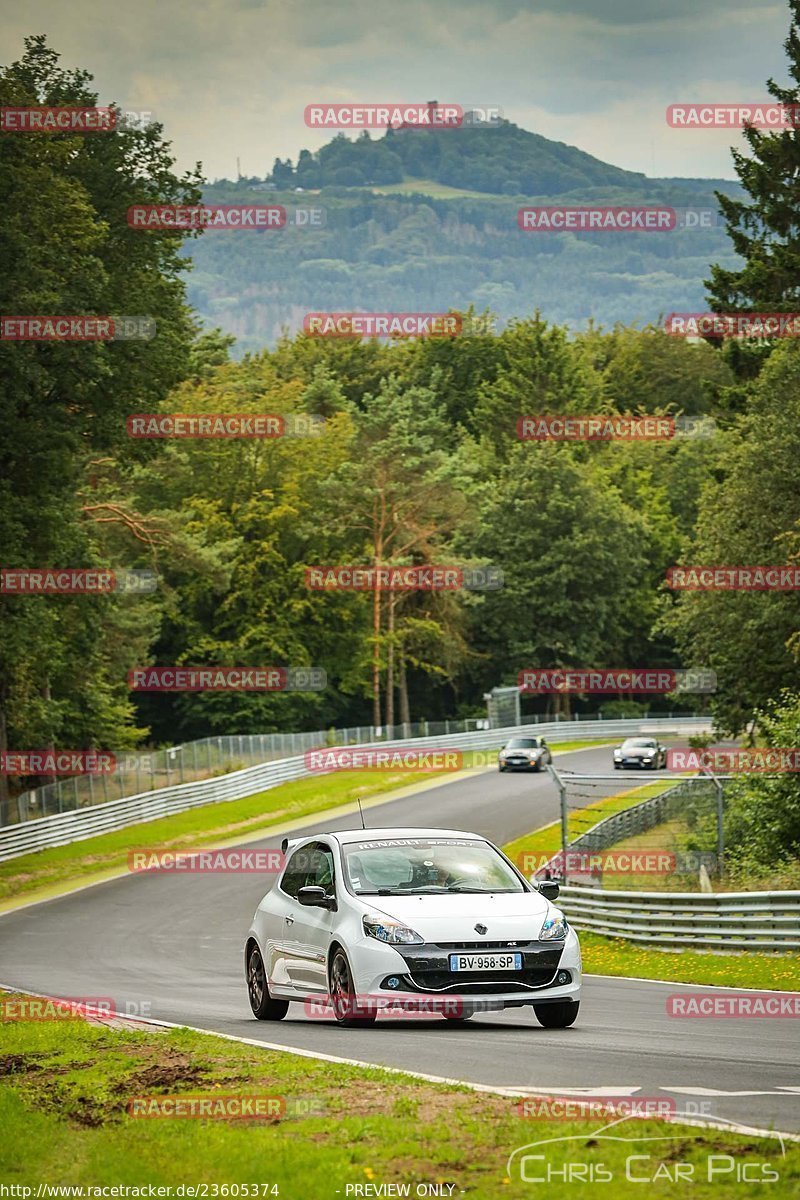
(309, 930)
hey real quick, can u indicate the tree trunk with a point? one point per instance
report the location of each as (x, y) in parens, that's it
(5, 810)
(376, 655)
(402, 684)
(392, 600)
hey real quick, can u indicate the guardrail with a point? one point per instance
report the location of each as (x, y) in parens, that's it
(711, 921)
(82, 823)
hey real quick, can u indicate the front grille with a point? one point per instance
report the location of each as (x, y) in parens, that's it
(477, 983)
(480, 945)
(429, 969)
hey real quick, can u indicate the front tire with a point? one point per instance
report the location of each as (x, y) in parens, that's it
(342, 993)
(557, 1016)
(263, 1006)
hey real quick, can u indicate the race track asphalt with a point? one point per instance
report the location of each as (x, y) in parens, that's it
(169, 946)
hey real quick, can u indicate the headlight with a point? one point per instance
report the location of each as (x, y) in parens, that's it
(555, 926)
(387, 930)
(617, 754)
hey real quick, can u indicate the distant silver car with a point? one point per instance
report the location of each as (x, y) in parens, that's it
(524, 754)
(642, 752)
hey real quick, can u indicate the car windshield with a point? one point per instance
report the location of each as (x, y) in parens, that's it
(523, 744)
(638, 744)
(406, 866)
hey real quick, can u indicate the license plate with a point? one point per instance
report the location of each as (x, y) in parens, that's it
(485, 962)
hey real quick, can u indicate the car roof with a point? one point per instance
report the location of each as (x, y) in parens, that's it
(345, 836)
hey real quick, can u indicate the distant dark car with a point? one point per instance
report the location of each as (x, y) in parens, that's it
(524, 754)
(642, 752)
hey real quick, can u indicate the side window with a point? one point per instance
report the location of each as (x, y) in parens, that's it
(310, 866)
(294, 876)
(320, 867)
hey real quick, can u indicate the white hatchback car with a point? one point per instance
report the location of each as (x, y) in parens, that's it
(369, 917)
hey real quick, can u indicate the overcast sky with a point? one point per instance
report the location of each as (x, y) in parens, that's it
(232, 77)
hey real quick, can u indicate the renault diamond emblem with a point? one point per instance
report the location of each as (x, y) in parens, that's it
(481, 928)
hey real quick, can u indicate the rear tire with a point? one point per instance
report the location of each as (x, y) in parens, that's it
(557, 1016)
(343, 997)
(263, 1006)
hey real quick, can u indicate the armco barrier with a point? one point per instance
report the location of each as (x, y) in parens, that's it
(61, 828)
(710, 921)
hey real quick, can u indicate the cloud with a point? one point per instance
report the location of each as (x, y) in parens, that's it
(232, 79)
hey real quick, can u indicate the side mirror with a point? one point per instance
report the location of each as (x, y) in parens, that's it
(315, 897)
(547, 888)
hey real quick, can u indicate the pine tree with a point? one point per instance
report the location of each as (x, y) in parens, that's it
(765, 230)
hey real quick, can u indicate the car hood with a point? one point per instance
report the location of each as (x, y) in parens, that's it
(449, 918)
(522, 750)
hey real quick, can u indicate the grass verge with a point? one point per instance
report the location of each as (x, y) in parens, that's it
(66, 1087)
(231, 821)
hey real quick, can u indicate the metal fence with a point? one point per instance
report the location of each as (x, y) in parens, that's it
(712, 921)
(206, 758)
(88, 820)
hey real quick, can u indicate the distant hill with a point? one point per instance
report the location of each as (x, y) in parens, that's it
(494, 157)
(426, 220)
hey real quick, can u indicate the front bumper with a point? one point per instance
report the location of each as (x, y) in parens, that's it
(521, 764)
(423, 971)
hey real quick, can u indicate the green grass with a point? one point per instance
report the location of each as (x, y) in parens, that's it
(614, 956)
(65, 1087)
(230, 821)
